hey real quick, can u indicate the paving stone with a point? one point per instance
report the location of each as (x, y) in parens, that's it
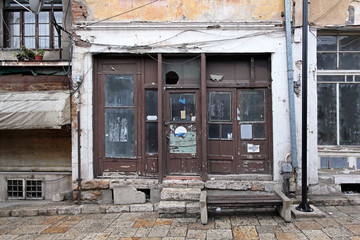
(244, 220)
(173, 238)
(29, 229)
(287, 228)
(196, 234)
(355, 228)
(354, 238)
(308, 225)
(123, 232)
(223, 222)
(180, 194)
(146, 207)
(159, 231)
(73, 210)
(267, 236)
(269, 229)
(144, 223)
(142, 232)
(245, 232)
(163, 222)
(117, 208)
(93, 208)
(56, 230)
(177, 231)
(290, 236)
(316, 235)
(215, 234)
(337, 232)
(327, 222)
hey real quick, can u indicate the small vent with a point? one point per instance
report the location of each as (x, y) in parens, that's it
(350, 188)
(25, 189)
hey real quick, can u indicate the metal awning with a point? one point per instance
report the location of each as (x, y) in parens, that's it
(34, 110)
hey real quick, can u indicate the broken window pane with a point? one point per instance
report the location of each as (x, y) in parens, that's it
(151, 105)
(226, 132)
(349, 114)
(326, 43)
(214, 131)
(333, 78)
(182, 107)
(327, 123)
(246, 131)
(220, 106)
(151, 137)
(326, 61)
(252, 106)
(349, 61)
(259, 131)
(119, 132)
(182, 70)
(119, 90)
(350, 43)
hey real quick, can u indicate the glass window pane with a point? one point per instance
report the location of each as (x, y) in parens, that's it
(349, 78)
(14, 17)
(349, 114)
(214, 131)
(336, 78)
(220, 106)
(151, 105)
(56, 43)
(349, 60)
(119, 132)
(252, 106)
(226, 132)
(43, 17)
(182, 107)
(357, 78)
(58, 17)
(151, 137)
(246, 131)
(119, 90)
(15, 29)
(259, 131)
(44, 42)
(29, 17)
(327, 123)
(350, 43)
(44, 30)
(29, 29)
(15, 42)
(30, 42)
(326, 43)
(326, 61)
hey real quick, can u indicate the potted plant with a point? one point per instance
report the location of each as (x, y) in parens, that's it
(39, 53)
(24, 54)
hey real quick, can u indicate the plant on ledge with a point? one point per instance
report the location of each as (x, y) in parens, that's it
(39, 53)
(24, 54)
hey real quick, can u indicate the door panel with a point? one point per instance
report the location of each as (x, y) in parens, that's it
(182, 131)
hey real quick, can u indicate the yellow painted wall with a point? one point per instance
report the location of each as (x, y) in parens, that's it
(187, 10)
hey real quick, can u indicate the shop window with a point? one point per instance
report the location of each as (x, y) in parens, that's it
(220, 115)
(339, 90)
(151, 121)
(24, 28)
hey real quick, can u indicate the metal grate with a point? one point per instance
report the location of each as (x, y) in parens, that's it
(25, 188)
(15, 189)
(34, 189)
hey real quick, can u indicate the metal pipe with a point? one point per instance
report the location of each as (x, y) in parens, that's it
(290, 72)
(304, 206)
(79, 159)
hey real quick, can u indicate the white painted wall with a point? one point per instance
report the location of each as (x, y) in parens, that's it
(170, 38)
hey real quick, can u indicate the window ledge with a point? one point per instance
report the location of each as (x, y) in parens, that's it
(339, 149)
(46, 63)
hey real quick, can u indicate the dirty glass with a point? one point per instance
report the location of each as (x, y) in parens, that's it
(219, 106)
(184, 143)
(333, 78)
(357, 78)
(182, 107)
(349, 96)
(246, 131)
(349, 78)
(214, 131)
(327, 123)
(326, 61)
(119, 132)
(151, 137)
(259, 131)
(119, 90)
(252, 106)
(326, 43)
(226, 132)
(350, 43)
(151, 105)
(188, 70)
(349, 61)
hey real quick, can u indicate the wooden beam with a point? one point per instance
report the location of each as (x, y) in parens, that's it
(160, 120)
(203, 118)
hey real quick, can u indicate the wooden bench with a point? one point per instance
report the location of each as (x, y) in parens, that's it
(279, 200)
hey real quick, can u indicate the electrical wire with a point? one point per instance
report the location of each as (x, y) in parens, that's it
(57, 179)
(328, 11)
(133, 9)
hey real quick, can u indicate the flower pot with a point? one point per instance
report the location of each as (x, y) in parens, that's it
(39, 57)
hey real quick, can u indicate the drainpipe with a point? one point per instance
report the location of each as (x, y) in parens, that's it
(79, 159)
(290, 71)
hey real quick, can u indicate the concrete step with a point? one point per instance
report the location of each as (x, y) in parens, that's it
(180, 194)
(183, 183)
(179, 207)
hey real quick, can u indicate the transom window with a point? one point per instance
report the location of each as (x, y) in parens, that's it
(23, 28)
(338, 89)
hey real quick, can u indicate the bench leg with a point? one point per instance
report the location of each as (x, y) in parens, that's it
(203, 208)
(284, 210)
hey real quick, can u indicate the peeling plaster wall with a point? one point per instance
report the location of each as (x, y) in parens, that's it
(186, 10)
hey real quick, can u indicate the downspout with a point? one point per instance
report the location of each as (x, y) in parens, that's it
(290, 71)
(79, 159)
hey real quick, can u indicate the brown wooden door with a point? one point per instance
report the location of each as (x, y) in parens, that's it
(182, 124)
(254, 128)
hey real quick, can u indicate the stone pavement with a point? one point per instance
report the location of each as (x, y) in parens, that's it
(341, 222)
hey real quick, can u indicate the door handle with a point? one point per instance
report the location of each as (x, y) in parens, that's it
(166, 123)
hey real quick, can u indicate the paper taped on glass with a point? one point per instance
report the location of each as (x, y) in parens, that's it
(34, 110)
